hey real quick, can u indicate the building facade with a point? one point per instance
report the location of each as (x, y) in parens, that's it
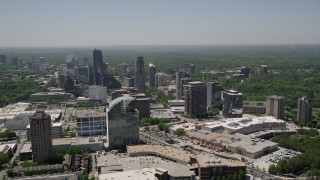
(275, 106)
(152, 75)
(232, 104)
(98, 93)
(91, 124)
(190, 68)
(122, 123)
(213, 94)
(140, 82)
(195, 103)
(182, 78)
(161, 79)
(82, 74)
(304, 114)
(41, 139)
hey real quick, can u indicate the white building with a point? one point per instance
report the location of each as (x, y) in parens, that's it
(91, 123)
(98, 93)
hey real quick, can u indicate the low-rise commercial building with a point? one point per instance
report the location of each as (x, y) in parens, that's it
(41, 96)
(92, 144)
(91, 123)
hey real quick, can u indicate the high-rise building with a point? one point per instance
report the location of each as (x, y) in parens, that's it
(41, 141)
(71, 63)
(195, 103)
(152, 75)
(3, 59)
(161, 79)
(304, 114)
(232, 104)
(82, 74)
(245, 71)
(182, 78)
(190, 68)
(98, 93)
(275, 106)
(214, 94)
(62, 78)
(100, 68)
(123, 69)
(42, 59)
(128, 82)
(122, 123)
(140, 82)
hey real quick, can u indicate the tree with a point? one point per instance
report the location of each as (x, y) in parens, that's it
(242, 174)
(235, 176)
(272, 169)
(180, 131)
(3, 159)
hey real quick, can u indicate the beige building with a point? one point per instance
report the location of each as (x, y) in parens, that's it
(41, 139)
(275, 106)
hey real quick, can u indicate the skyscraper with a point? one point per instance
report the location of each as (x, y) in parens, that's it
(100, 68)
(71, 63)
(161, 79)
(140, 82)
(190, 68)
(232, 104)
(122, 123)
(82, 74)
(41, 141)
(195, 103)
(182, 78)
(275, 106)
(304, 114)
(213, 94)
(245, 71)
(3, 59)
(152, 74)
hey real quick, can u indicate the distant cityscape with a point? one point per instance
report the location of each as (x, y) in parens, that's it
(142, 123)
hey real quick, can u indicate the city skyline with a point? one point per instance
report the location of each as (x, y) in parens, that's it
(85, 23)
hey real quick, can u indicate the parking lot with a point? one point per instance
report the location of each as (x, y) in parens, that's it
(265, 161)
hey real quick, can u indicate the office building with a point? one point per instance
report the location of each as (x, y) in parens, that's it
(190, 68)
(182, 78)
(304, 114)
(196, 99)
(100, 69)
(264, 69)
(16, 62)
(42, 59)
(82, 74)
(122, 123)
(41, 139)
(213, 94)
(140, 82)
(42, 96)
(128, 82)
(91, 123)
(245, 71)
(71, 63)
(56, 131)
(123, 71)
(258, 107)
(3, 59)
(275, 106)
(98, 93)
(152, 75)
(232, 104)
(161, 79)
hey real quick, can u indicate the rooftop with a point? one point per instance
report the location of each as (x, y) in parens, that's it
(210, 160)
(168, 151)
(89, 113)
(238, 123)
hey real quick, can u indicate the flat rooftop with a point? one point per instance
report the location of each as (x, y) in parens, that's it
(90, 113)
(26, 148)
(211, 160)
(168, 151)
(238, 123)
(50, 93)
(141, 174)
(74, 141)
(253, 145)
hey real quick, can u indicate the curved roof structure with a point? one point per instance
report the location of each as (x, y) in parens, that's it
(125, 99)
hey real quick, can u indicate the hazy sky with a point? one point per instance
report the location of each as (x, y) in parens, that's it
(161, 22)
